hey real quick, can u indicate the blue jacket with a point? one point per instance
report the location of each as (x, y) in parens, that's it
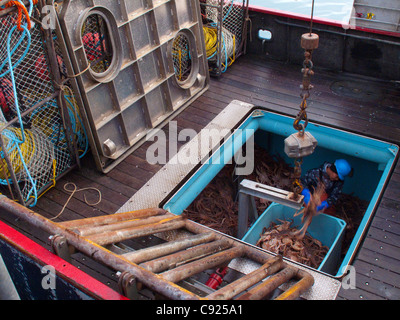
(332, 188)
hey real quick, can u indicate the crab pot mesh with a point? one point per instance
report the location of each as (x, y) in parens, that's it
(94, 38)
(32, 131)
(78, 128)
(181, 57)
(31, 155)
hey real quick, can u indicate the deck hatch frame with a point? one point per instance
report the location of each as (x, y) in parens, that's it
(167, 186)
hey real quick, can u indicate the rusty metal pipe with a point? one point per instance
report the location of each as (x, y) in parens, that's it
(269, 285)
(259, 256)
(160, 250)
(192, 268)
(149, 279)
(166, 224)
(245, 282)
(253, 253)
(185, 256)
(154, 282)
(197, 228)
(112, 218)
(305, 283)
(88, 230)
(113, 260)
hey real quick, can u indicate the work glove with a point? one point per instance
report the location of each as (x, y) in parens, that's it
(323, 206)
(306, 193)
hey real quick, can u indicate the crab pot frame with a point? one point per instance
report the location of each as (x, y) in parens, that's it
(225, 32)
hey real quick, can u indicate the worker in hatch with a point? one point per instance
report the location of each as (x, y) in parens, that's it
(332, 175)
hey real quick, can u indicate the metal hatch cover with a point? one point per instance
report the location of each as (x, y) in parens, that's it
(139, 63)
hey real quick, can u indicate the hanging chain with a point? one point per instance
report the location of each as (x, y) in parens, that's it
(297, 187)
(306, 86)
(309, 42)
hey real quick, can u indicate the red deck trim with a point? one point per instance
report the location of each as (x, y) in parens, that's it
(328, 22)
(67, 271)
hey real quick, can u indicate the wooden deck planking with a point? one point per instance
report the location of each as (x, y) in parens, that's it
(378, 261)
(330, 108)
(275, 86)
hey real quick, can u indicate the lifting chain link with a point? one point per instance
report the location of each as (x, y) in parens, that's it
(297, 187)
(309, 42)
(306, 86)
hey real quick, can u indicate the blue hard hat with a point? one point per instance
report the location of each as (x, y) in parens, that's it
(343, 168)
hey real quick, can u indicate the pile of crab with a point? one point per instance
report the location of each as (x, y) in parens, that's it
(217, 206)
(281, 238)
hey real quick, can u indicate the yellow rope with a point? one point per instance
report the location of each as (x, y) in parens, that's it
(180, 64)
(211, 42)
(27, 151)
(211, 39)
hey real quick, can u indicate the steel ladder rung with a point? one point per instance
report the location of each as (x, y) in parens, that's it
(200, 249)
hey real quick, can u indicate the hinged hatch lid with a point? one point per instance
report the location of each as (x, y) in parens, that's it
(138, 64)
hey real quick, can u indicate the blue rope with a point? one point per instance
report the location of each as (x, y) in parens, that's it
(14, 141)
(82, 137)
(11, 71)
(229, 11)
(11, 67)
(223, 40)
(11, 52)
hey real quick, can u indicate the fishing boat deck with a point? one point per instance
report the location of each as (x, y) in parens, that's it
(362, 105)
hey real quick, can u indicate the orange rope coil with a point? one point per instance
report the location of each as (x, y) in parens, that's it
(21, 11)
